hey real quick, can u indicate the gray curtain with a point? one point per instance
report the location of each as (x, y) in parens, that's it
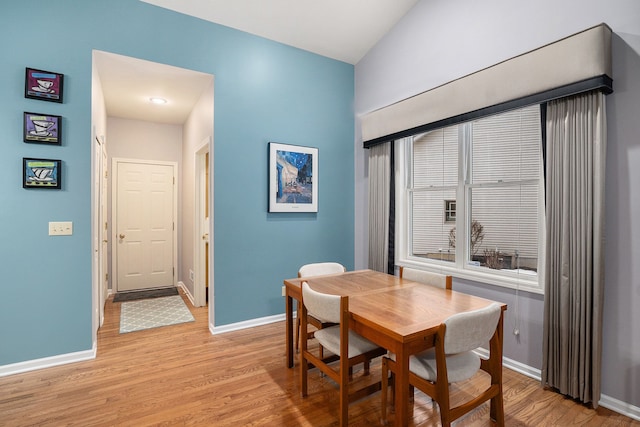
(379, 190)
(574, 271)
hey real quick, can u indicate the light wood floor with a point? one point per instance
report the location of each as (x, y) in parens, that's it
(182, 375)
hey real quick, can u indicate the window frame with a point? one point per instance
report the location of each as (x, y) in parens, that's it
(460, 268)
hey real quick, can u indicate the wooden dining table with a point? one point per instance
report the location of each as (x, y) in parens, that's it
(399, 315)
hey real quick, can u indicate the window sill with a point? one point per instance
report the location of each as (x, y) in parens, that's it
(478, 275)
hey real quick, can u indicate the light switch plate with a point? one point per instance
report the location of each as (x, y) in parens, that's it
(61, 228)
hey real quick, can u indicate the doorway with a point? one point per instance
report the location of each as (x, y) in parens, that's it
(99, 227)
(121, 91)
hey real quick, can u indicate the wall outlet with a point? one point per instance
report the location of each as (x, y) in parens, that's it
(283, 291)
(61, 228)
(191, 275)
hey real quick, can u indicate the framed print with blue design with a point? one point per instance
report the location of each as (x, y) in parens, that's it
(293, 178)
(42, 173)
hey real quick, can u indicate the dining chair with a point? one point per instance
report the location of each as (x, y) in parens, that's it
(428, 278)
(453, 360)
(316, 269)
(350, 347)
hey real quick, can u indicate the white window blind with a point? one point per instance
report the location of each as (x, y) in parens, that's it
(491, 168)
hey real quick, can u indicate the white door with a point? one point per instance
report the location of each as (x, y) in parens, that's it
(104, 233)
(202, 237)
(144, 226)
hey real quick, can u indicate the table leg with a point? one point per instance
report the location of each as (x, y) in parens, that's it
(402, 389)
(289, 326)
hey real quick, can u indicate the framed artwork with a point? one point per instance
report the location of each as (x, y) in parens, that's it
(293, 178)
(42, 128)
(41, 173)
(43, 85)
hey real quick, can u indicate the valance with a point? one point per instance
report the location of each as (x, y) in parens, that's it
(572, 65)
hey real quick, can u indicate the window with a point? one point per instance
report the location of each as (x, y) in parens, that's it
(450, 210)
(472, 199)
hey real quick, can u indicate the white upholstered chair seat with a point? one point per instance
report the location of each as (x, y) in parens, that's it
(460, 367)
(329, 338)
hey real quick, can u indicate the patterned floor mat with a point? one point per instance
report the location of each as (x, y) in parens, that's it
(153, 313)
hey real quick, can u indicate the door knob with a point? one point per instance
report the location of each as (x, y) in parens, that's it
(121, 236)
(105, 241)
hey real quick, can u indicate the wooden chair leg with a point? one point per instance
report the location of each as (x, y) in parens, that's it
(444, 404)
(383, 390)
(304, 366)
(497, 409)
(304, 370)
(298, 333)
(392, 384)
(344, 386)
(344, 405)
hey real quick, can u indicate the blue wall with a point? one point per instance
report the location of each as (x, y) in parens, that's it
(264, 91)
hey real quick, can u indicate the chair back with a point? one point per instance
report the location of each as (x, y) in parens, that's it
(470, 330)
(325, 307)
(428, 278)
(320, 268)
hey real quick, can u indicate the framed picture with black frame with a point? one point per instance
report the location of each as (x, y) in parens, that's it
(43, 85)
(42, 128)
(41, 173)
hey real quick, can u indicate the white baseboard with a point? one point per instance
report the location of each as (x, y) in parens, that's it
(47, 362)
(514, 365)
(215, 330)
(608, 402)
(620, 407)
(187, 293)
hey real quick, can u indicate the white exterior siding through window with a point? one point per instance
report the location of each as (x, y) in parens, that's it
(501, 189)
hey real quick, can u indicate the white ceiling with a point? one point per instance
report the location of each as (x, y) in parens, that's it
(340, 29)
(128, 83)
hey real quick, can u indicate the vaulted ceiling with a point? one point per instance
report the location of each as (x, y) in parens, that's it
(344, 30)
(340, 29)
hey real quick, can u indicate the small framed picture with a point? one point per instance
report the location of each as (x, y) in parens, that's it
(293, 178)
(42, 128)
(41, 173)
(43, 85)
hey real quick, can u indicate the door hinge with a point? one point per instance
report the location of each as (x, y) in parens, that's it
(106, 277)
(174, 272)
(106, 174)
